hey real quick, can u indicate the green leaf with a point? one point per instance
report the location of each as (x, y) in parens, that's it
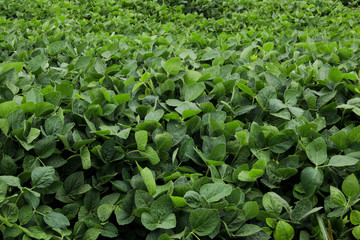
(268, 46)
(316, 151)
(245, 89)
(280, 200)
(104, 211)
(152, 223)
(56, 220)
(4, 125)
(340, 139)
(6, 66)
(251, 209)
(335, 75)
(149, 180)
(191, 76)
(85, 157)
(151, 155)
(355, 217)
(10, 212)
(42, 177)
(34, 96)
(256, 137)
(7, 107)
(3, 190)
(121, 98)
(82, 62)
(43, 108)
(204, 221)
(284, 231)
(141, 138)
(160, 215)
(53, 125)
(56, 47)
(11, 181)
(92, 234)
(36, 63)
(271, 204)
(350, 186)
(311, 179)
(214, 192)
(356, 232)
(163, 141)
(193, 91)
(45, 147)
(172, 66)
(337, 197)
(248, 230)
(342, 161)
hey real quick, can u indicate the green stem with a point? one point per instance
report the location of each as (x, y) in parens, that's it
(19, 196)
(195, 235)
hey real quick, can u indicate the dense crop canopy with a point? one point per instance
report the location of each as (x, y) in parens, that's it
(132, 119)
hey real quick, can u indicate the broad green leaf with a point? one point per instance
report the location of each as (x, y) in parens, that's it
(342, 161)
(151, 223)
(34, 96)
(193, 91)
(155, 115)
(204, 221)
(268, 46)
(335, 75)
(256, 137)
(337, 197)
(340, 139)
(214, 192)
(151, 155)
(316, 151)
(45, 147)
(56, 220)
(4, 125)
(163, 141)
(246, 89)
(56, 47)
(355, 217)
(121, 98)
(311, 179)
(6, 66)
(85, 157)
(251, 209)
(43, 108)
(141, 138)
(248, 230)
(356, 232)
(271, 204)
(10, 212)
(32, 197)
(42, 177)
(7, 107)
(11, 181)
(92, 234)
(82, 62)
(350, 186)
(53, 125)
(283, 231)
(3, 190)
(149, 180)
(36, 63)
(191, 76)
(172, 66)
(280, 200)
(104, 211)
(264, 96)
